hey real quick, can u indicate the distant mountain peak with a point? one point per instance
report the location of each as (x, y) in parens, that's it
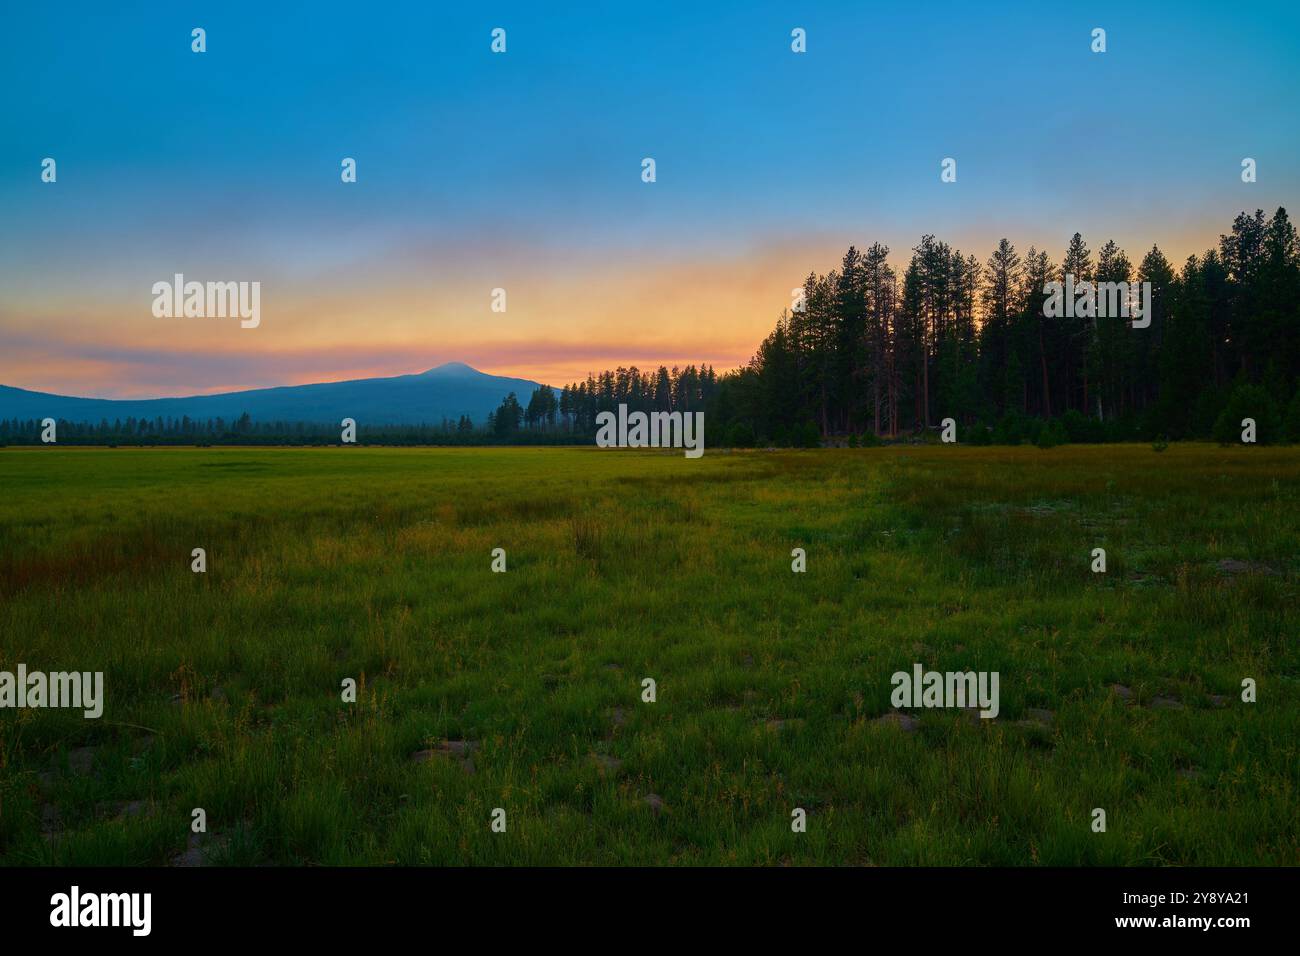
(452, 368)
(447, 391)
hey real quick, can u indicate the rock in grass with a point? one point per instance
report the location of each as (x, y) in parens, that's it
(458, 748)
(1038, 720)
(198, 851)
(607, 763)
(121, 810)
(904, 722)
(1233, 566)
(779, 725)
(81, 760)
(462, 750)
(654, 802)
(1122, 692)
(193, 855)
(1166, 703)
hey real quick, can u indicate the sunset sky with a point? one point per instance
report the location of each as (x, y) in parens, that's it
(523, 170)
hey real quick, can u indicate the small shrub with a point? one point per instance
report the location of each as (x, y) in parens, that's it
(1052, 434)
(1291, 427)
(1247, 401)
(741, 435)
(807, 436)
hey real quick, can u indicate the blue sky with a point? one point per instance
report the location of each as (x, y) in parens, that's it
(522, 170)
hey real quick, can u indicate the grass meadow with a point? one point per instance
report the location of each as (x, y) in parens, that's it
(523, 690)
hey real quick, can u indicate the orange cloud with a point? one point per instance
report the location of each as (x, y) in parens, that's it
(557, 327)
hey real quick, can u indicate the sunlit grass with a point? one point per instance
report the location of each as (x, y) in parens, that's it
(223, 689)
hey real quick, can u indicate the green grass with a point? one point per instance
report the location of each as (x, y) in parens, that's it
(223, 689)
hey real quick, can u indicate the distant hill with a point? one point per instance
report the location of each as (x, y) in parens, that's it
(448, 391)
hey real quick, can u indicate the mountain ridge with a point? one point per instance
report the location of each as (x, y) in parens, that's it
(446, 391)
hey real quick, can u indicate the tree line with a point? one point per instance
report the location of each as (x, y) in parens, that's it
(246, 431)
(867, 353)
(870, 352)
